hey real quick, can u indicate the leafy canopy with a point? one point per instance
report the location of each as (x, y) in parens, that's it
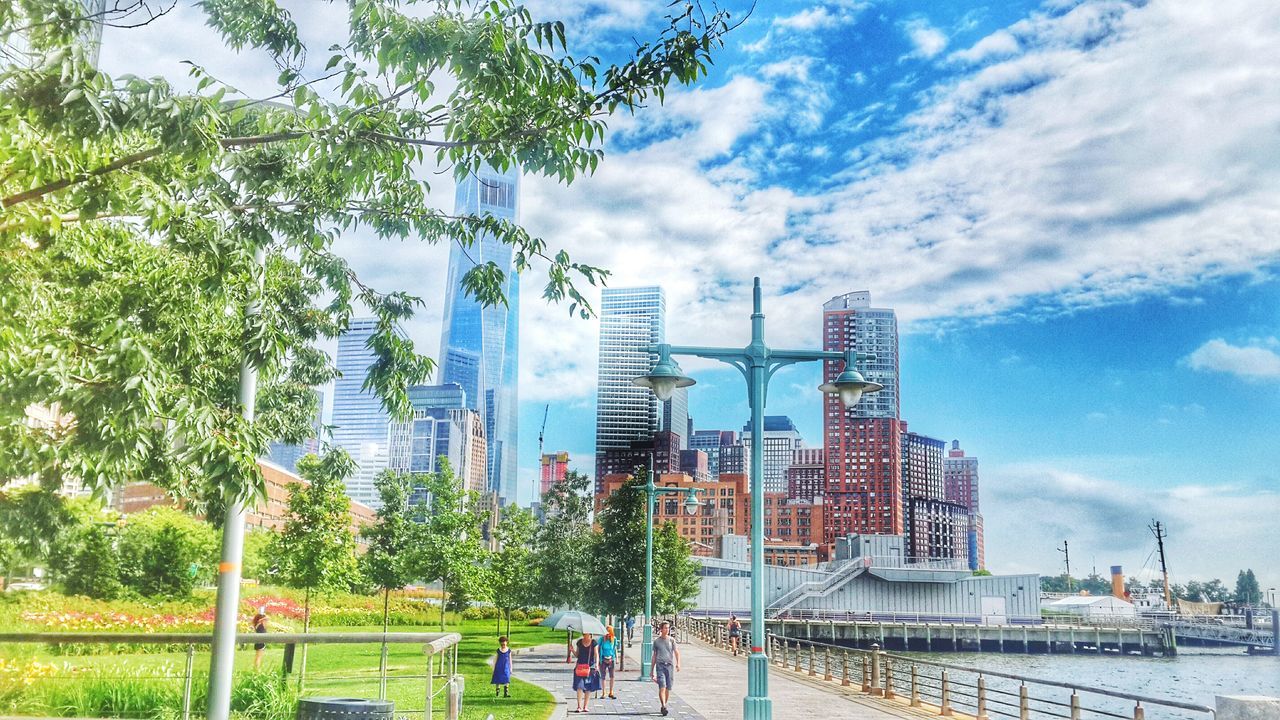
(133, 213)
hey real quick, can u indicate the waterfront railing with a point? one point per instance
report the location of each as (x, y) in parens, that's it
(439, 681)
(945, 688)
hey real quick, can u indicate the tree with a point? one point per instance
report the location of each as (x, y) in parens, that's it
(448, 546)
(259, 562)
(162, 551)
(133, 214)
(510, 568)
(31, 518)
(86, 563)
(564, 543)
(384, 562)
(675, 572)
(316, 548)
(618, 560)
(1248, 592)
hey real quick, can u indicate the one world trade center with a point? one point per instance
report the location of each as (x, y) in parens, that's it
(480, 347)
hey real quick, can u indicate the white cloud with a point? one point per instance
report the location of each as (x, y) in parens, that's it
(1029, 509)
(1251, 363)
(787, 29)
(927, 40)
(1001, 43)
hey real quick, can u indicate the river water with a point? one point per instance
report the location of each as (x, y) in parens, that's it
(1195, 675)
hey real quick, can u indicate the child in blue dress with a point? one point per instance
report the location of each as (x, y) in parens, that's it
(502, 669)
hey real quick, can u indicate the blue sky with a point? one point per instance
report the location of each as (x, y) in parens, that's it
(1071, 205)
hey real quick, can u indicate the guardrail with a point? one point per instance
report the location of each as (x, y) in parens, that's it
(945, 688)
(442, 683)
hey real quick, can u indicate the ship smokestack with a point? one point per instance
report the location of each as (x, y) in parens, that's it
(1117, 581)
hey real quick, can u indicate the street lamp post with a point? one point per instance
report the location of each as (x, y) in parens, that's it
(651, 493)
(757, 362)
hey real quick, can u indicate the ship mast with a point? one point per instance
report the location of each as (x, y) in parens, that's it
(1158, 530)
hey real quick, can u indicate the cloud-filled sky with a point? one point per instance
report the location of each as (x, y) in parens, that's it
(1071, 205)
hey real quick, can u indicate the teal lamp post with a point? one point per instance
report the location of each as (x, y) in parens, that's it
(651, 492)
(757, 362)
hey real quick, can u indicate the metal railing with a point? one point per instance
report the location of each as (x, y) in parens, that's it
(944, 688)
(440, 677)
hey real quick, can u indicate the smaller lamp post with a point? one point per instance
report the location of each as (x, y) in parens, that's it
(691, 504)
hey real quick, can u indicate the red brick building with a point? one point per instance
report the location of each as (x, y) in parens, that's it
(554, 467)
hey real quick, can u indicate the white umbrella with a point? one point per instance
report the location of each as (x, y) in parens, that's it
(553, 619)
(581, 622)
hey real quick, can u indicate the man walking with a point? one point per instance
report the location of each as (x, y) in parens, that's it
(666, 663)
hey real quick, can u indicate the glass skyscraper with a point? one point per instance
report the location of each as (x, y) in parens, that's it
(360, 423)
(479, 346)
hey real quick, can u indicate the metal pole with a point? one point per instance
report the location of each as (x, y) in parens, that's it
(223, 658)
(187, 675)
(757, 705)
(646, 642)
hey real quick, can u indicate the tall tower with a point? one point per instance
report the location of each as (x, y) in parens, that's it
(863, 444)
(781, 440)
(480, 346)
(631, 319)
(360, 422)
(960, 476)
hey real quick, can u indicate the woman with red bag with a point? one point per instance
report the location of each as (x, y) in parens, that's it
(588, 651)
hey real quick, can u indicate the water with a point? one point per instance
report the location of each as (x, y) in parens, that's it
(1196, 675)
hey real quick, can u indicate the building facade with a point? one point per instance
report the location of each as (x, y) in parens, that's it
(934, 527)
(863, 444)
(663, 449)
(722, 509)
(627, 415)
(480, 346)
(442, 427)
(725, 452)
(360, 424)
(781, 438)
(694, 464)
(960, 474)
(807, 474)
(555, 466)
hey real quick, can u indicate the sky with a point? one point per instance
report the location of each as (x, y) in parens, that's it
(1070, 204)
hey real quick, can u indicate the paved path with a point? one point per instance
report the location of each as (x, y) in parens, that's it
(545, 666)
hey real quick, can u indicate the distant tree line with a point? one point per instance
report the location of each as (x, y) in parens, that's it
(1247, 590)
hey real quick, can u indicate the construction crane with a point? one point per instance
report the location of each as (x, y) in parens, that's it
(546, 409)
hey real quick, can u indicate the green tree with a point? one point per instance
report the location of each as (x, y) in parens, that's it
(448, 545)
(162, 551)
(675, 572)
(1248, 592)
(31, 518)
(316, 548)
(510, 567)
(133, 212)
(564, 543)
(384, 562)
(259, 563)
(618, 560)
(86, 562)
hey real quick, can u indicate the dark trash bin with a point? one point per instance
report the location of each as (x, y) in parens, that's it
(329, 708)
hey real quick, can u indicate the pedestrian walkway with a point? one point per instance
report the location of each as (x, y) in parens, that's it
(545, 666)
(715, 683)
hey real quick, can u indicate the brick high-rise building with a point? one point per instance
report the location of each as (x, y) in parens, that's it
(935, 528)
(554, 468)
(694, 464)
(664, 448)
(806, 477)
(863, 444)
(960, 474)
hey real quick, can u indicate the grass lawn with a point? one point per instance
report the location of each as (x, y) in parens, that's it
(351, 670)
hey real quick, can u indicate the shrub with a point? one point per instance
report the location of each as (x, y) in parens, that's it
(518, 615)
(85, 563)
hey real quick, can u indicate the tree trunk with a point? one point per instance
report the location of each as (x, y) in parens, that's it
(444, 603)
(382, 657)
(306, 628)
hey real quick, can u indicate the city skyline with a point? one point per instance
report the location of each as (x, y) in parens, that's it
(1086, 309)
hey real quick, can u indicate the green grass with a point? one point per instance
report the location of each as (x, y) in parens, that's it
(332, 670)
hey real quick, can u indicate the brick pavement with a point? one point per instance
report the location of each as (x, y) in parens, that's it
(545, 666)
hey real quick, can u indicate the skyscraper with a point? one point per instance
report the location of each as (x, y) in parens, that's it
(935, 528)
(479, 346)
(360, 423)
(806, 476)
(960, 476)
(863, 444)
(442, 426)
(631, 319)
(711, 442)
(781, 438)
(555, 466)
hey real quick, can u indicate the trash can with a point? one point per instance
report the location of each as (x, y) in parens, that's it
(329, 708)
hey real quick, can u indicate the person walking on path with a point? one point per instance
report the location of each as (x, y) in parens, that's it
(666, 663)
(631, 629)
(259, 626)
(735, 633)
(588, 656)
(501, 679)
(608, 658)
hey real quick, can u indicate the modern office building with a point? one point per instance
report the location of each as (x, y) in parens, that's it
(694, 464)
(806, 476)
(443, 427)
(960, 473)
(359, 422)
(628, 416)
(480, 346)
(781, 438)
(555, 466)
(863, 444)
(725, 452)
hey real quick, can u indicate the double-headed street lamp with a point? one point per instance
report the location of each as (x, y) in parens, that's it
(757, 362)
(651, 492)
